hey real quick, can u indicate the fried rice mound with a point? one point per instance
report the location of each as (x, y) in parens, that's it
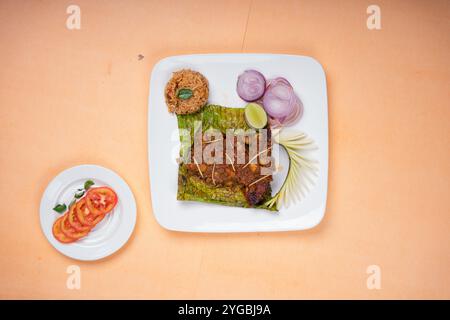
(186, 79)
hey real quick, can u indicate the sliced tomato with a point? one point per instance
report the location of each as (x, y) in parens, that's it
(58, 234)
(75, 222)
(70, 231)
(84, 215)
(101, 200)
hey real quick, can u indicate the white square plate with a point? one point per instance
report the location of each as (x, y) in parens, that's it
(308, 80)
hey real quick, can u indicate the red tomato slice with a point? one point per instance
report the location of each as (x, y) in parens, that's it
(58, 234)
(75, 222)
(70, 231)
(85, 216)
(101, 200)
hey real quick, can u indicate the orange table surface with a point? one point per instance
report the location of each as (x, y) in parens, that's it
(70, 97)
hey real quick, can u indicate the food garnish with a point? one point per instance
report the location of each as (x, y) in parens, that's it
(61, 207)
(231, 161)
(58, 234)
(80, 220)
(85, 216)
(74, 221)
(251, 85)
(186, 92)
(70, 231)
(281, 103)
(255, 116)
(276, 96)
(79, 194)
(255, 156)
(100, 200)
(254, 182)
(198, 167)
(300, 169)
(212, 174)
(87, 185)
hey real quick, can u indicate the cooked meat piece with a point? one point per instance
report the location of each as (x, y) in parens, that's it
(248, 176)
(257, 192)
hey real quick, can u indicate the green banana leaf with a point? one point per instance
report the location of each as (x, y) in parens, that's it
(192, 188)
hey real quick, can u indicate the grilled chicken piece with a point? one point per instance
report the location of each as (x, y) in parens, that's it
(248, 176)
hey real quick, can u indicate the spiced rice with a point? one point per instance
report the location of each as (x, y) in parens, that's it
(186, 79)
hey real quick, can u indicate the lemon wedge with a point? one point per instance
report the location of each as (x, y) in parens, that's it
(255, 116)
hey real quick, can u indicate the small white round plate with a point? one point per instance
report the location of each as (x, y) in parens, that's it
(111, 233)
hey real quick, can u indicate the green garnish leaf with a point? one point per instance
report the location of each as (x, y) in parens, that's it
(60, 208)
(88, 184)
(184, 94)
(78, 195)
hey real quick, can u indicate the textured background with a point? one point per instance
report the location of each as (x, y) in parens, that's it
(80, 96)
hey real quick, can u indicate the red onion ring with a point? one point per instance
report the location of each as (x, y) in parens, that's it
(296, 115)
(281, 103)
(251, 85)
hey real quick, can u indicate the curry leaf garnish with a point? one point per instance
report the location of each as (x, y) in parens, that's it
(184, 94)
(88, 184)
(78, 195)
(60, 208)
